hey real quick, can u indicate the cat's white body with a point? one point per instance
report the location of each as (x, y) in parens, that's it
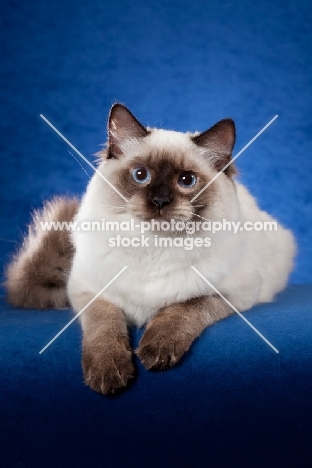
(163, 176)
(247, 267)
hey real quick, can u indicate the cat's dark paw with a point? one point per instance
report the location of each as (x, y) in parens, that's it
(107, 369)
(160, 349)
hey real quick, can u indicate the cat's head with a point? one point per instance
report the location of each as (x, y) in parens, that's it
(160, 172)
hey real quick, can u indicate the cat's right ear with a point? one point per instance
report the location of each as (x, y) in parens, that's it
(122, 126)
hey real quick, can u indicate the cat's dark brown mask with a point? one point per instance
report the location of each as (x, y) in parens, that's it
(159, 171)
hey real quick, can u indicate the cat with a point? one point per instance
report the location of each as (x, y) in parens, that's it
(158, 175)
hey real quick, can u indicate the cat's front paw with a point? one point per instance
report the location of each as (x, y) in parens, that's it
(161, 349)
(107, 369)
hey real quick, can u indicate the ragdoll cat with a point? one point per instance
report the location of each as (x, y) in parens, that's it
(158, 173)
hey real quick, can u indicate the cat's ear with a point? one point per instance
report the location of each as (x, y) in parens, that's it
(122, 126)
(219, 141)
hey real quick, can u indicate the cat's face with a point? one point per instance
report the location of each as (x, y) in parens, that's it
(160, 172)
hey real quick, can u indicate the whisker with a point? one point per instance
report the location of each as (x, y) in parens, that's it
(113, 206)
(199, 205)
(194, 214)
(80, 164)
(8, 240)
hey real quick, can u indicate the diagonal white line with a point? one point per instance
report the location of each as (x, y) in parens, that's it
(235, 157)
(82, 310)
(84, 158)
(235, 310)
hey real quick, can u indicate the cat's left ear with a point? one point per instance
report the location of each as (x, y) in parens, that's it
(122, 126)
(219, 141)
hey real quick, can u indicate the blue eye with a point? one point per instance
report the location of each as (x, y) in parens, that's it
(141, 174)
(187, 179)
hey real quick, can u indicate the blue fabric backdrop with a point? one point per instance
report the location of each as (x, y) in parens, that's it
(232, 402)
(180, 65)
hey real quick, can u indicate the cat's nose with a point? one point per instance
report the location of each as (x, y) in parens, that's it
(160, 202)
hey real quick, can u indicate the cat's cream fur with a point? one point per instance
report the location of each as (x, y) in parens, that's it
(247, 267)
(159, 288)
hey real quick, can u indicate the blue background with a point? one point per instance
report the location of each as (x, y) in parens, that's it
(230, 403)
(182, 65)
(179, 65)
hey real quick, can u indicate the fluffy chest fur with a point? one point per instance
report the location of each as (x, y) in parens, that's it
(169, 201)
(155, 171)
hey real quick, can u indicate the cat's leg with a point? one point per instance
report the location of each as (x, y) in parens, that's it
(172, 331)
(106, 352)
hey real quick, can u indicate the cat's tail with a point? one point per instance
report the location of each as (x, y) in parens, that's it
(37, 275)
